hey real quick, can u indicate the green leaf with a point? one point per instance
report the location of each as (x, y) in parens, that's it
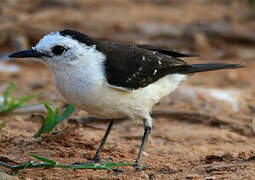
(49, 119)
(43, 159)
(53, 118)
(27, 165)
(47, 106)
(10, 104)
(67, 113)
(24, 99)
(50, 111)
(42, 128)
(47, 163)
(13, 105)
(111, 164)
(105, 165)
(56, 113)
(88, 166)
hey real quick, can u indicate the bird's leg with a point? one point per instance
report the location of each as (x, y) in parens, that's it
(96, 158)
(147, 131)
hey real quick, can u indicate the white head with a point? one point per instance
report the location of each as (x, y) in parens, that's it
(63, 49)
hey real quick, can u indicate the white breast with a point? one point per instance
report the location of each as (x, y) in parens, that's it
(87, 88)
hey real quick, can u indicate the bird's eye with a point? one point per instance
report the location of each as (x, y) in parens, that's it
(58, 50)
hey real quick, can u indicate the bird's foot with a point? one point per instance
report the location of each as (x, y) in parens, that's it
(115, 171)
(96, 159)
(138, 167)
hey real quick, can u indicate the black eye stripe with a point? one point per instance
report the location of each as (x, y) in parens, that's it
(58, 50)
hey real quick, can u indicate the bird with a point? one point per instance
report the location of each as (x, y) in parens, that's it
(113, 80)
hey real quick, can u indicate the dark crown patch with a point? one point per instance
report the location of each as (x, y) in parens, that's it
(82, 38)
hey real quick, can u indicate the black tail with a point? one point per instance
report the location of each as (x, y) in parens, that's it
(209, 67)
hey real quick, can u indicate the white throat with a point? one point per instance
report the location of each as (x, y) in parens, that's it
(77, 54)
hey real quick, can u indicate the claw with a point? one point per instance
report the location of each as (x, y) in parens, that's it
(138, 167)
(96, 160)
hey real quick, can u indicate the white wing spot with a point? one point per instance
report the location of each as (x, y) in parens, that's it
(155, 71)
(144, 58)
(159, 62)
(135, 74)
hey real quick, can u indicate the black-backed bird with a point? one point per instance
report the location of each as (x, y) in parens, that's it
(113, 80)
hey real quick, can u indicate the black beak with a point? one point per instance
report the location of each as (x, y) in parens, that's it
(27, 54)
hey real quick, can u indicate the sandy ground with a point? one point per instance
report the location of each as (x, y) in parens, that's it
(214, 141)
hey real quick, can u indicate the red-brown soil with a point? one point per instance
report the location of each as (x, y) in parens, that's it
(179, 147)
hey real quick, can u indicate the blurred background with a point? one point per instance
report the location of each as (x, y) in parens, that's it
(218, 30)
(203, 26)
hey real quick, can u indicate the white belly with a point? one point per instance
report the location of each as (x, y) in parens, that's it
(95, 96)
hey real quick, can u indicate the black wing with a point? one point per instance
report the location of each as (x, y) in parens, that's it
(131, 67)
(136, 66)
(165, 51)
